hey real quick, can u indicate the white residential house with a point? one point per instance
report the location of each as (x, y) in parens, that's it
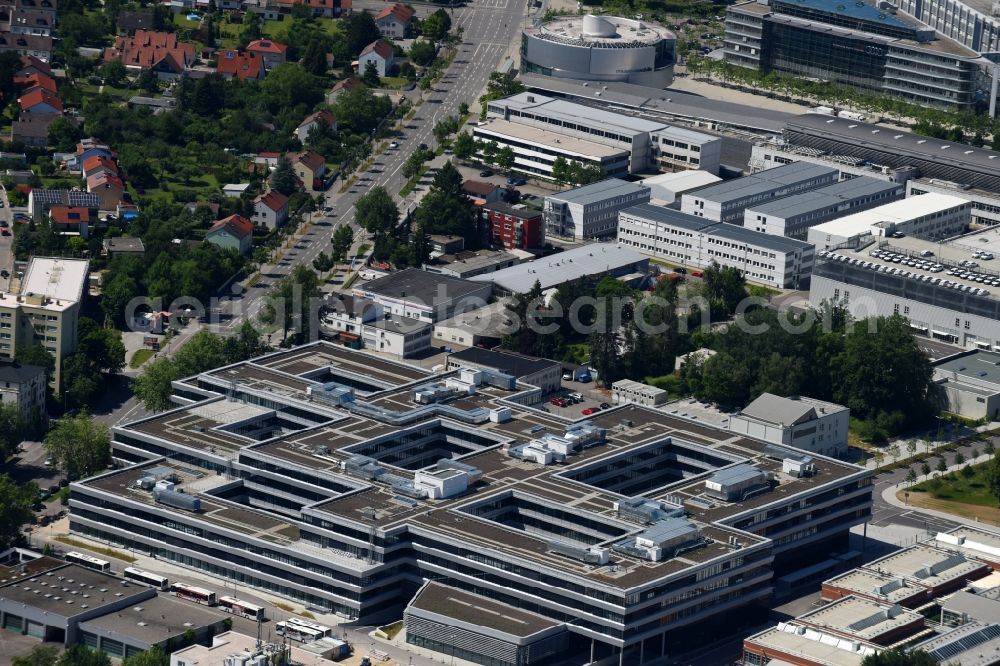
(379, 52)
(270, 210)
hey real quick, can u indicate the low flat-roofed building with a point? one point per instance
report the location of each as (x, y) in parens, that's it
(52, 604)
(482, 630)
(691, 241)
(804, 423)
(968, 384)
(536, 149)
(466, 264)
(425, 295)
(875, 586)
(972, 541)
(485, 326)
(596, 261)
(160, 620)
(666, 187)
(789, 644)
(591, 211)
(792, 216)
(626, 391)
(938, 570)
(855, 618)
(727, 201)
(972, 644)
(935, 218)
(234, 644)
(985, 204)
(963, 607)
(540, 372)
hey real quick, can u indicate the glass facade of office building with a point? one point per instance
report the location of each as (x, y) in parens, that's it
(822, 55)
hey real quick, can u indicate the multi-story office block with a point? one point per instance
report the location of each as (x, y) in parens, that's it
(346, 482)
(687, 240)
(591, 211)
(853, 44)
(792, 216)
(727, 201)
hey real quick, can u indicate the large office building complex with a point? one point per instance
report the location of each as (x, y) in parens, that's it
(930, 284)
(600, 48)
(853, 44)
(591, 211)
(792, 216)
(539, 129)
(727, 201)
(346, 482)
(687, 240)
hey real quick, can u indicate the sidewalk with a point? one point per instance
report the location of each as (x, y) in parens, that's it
(889, 494)
(925, 447)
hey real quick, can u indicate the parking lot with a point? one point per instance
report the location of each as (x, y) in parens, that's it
(588, 396)
(29, 464)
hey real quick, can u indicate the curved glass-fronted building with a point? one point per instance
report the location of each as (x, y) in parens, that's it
(600, 48)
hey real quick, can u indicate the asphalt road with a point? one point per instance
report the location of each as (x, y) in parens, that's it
(489, 27)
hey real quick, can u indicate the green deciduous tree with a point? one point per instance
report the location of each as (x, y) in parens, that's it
(63, 134)
(376, 212)
(80, 444)
(36, 355)
(16, 500)
(115, 297)
(993, 476)
(152, 657)
(464, 145)
(203, 351)
(445, 210)
(342, 240)
(500, 85)
(360, 30)
(81, 655)
(294, 304)
(899, 657)
(314, 58)
(283, 179)
(422, 52)
(436, 26)
(40, 655)
(370, 75)
(884, 377)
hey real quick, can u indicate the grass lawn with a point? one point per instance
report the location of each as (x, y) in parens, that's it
(204, 185)
(140, 357)
(956, 487)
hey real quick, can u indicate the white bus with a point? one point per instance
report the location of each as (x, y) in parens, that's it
(324, 630)
(297, 632)
(146, 578)
(241, 608)
(88, 561)
(199, 595)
